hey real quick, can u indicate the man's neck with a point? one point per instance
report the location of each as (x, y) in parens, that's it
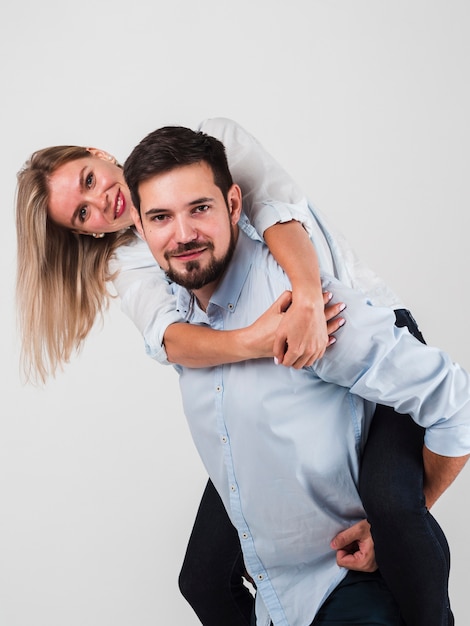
(204, 294)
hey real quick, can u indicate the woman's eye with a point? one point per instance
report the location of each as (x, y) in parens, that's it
(89, 180)
(82, 214)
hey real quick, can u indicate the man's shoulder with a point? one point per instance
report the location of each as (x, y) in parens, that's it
(255, 248)
(261, 258)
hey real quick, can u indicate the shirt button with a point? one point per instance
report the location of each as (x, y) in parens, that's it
(230, 307)
(223, 439)
(233, 488)
(260, 577)
(245, 535)
(218, 388)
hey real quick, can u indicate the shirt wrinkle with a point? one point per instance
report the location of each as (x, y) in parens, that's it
(270, 196)
(283, 446)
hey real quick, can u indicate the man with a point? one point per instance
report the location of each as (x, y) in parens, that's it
(282, 446)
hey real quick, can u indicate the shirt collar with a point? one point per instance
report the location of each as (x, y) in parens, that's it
(228, 291)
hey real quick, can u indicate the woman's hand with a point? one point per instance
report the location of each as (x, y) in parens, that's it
(355, 548)
(305, 332)
(259, 336)
(263, 336)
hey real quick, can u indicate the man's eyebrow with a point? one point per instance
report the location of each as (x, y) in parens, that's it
(81, 186)
(155, 211)
(196, 202)
(201, 200)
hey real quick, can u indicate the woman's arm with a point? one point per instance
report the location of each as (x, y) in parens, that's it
(273, 201)
(279, 211)
(302, 335)
(146, 297)
(215, 347)
(270, 195)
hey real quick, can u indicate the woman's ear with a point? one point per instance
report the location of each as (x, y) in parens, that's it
(101, 154)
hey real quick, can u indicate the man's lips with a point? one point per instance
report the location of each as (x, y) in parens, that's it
(187, 255)
(189, 251)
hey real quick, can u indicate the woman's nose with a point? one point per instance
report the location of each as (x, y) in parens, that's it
(100, 202)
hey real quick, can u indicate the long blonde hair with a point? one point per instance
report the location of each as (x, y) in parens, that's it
(61, 285)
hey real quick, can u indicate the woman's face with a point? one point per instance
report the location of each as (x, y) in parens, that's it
(89, 195)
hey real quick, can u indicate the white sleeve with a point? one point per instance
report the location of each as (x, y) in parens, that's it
(270, 195)
(146, 295)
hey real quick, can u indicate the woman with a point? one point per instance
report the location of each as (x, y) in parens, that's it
(73, 237)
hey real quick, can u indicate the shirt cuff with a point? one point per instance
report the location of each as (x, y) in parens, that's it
(442, 440)
(153, 340)
(274, 212)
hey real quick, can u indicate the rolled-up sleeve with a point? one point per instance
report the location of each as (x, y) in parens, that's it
(270, 195)
(385, 364)
(146, 296)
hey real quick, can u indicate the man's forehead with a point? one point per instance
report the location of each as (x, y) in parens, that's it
(199, 171)
(182, 185)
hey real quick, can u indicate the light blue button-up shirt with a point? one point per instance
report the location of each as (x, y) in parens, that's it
(283, 446)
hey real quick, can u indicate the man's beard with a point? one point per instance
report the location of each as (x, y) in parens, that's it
(195, 277)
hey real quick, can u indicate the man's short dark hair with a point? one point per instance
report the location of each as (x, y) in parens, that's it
(174, 146)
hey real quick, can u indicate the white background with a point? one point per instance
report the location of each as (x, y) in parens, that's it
(365, 102)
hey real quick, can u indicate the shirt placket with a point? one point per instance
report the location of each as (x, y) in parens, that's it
(252, 561)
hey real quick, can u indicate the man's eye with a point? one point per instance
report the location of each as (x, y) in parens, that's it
(159, 218)
(89, 180)
(201, 209)
(83, 213)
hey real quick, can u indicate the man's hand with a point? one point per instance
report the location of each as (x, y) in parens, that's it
(355, 548)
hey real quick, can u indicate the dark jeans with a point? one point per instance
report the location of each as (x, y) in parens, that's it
(211, 575)
(411, 550)
(391, 488)
(361, 599)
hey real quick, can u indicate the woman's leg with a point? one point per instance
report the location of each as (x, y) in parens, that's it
(212, 571)
(411, 550)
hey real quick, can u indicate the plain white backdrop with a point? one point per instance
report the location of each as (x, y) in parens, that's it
(365, 103)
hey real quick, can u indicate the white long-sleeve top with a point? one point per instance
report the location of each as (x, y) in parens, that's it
(270, 196)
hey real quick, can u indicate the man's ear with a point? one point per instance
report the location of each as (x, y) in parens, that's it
(234, 199)
(137, 222)
(101, 154)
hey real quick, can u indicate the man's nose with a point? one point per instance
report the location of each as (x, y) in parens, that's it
(184, 231)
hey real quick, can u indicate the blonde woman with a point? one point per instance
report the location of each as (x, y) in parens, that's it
(75, 235)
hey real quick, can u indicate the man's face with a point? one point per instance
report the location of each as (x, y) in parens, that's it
(188, 226)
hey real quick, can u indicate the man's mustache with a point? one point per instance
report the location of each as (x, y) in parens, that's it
(187, 247)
